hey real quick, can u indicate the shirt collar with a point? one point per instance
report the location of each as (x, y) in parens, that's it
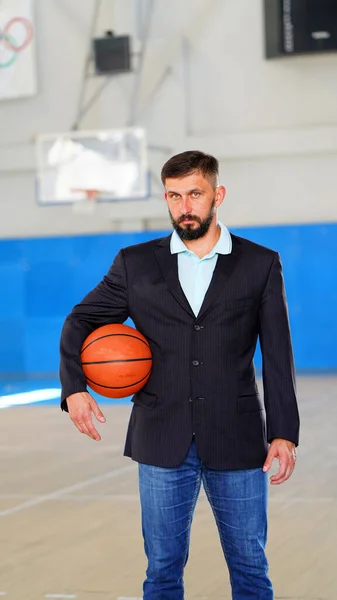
(223, 245)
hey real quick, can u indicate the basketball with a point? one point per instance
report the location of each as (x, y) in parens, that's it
(116, 360)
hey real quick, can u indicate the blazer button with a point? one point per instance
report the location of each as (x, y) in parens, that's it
(197, 327)
(195, 363)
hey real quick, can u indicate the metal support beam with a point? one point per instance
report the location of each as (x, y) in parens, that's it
(144, 27)
(81, 110)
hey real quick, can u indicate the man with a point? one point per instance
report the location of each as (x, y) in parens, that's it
(201, 297)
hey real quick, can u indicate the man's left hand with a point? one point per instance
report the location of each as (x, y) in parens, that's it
(285, 451)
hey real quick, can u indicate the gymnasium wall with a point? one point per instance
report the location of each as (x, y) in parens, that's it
(203, 83)
(43, 278)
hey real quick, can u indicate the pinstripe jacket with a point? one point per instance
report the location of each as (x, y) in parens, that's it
(203, 376)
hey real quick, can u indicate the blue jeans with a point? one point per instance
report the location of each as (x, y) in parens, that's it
(239, 503)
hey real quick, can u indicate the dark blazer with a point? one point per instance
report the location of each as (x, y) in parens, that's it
(203, 377)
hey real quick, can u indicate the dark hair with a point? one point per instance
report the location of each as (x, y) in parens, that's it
(190, 162)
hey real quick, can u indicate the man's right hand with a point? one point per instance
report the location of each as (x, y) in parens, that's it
(80, 407)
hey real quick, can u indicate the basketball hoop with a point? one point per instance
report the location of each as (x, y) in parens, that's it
(80, 167)
(87, 204)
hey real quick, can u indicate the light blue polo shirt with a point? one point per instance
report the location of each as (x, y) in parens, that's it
(195, 273)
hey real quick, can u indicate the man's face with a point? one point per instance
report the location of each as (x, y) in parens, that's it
(192, 203)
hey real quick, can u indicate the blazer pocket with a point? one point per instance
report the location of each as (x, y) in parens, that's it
(249, 403)
(145, 400)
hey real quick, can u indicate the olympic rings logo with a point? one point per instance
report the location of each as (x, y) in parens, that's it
(10, 43)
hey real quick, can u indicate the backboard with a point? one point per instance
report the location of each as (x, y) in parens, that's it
(105, 164)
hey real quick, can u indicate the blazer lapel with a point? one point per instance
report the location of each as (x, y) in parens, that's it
(224, 268)
(168, 264)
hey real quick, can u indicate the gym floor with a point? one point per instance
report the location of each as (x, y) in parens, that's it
(70, 516)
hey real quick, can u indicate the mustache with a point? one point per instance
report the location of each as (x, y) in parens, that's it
(189, 217)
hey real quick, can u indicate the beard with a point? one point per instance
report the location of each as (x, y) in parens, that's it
(189, 233)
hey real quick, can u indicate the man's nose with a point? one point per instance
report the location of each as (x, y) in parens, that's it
(185, 205)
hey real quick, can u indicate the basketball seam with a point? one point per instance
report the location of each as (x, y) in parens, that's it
(120, 387)
(114, 335)
(124, 360)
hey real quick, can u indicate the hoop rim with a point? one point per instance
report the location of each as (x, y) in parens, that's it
(90, 194)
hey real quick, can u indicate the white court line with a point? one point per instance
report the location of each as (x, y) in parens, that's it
(67, 490)
(60, 596)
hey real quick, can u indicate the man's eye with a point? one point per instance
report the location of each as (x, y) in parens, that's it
(196, 194)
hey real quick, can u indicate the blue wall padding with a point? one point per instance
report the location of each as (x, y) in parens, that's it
(41, 279)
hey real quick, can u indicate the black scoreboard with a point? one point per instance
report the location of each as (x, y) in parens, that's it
(300, 26)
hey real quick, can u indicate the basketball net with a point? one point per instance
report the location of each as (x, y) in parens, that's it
(86, 205)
